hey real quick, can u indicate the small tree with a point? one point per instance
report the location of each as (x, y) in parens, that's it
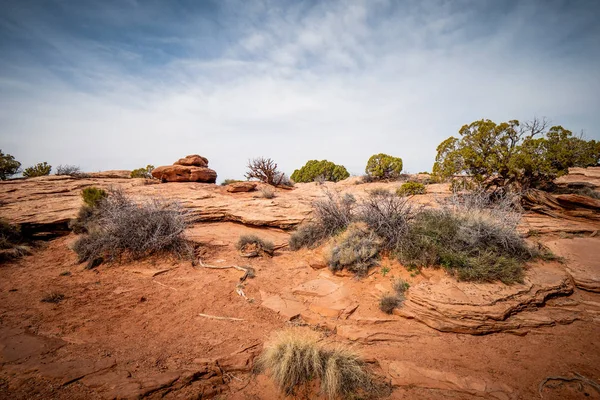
(383, 166)
(325, 170)
(39, 169)
(8, 166)
(265, 170)
(143, 172)
(500, 155)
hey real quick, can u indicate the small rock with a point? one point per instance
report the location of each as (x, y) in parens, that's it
(241, 187)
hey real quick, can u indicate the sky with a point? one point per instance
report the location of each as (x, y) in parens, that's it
(119, 84)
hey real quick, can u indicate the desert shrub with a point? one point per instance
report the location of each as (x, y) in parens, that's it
(229, 182)
(8, 166)
(9, 234)
(93, 195)
(267, 192)
(462, 185)
(330, 216)
(387, 215)
(379, 192)
(307, 235)
(324, 170)
(294, 359)
(411, 189)
(400, 286)
(53, 297)
(383, 166)
(357, 250)
(388, 302)
(145, 173)
(123, 227)
(265, 170)
(472, 238)
(254, 244)
(39, 169)
(71, 170)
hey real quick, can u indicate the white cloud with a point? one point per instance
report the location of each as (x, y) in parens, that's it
(340, 80)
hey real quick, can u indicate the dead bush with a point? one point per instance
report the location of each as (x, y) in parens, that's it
(252, 246)
(387, 215)
(295, 358)
(265, 170)
(53, 297)
(307, 235)
(357, 250)
(123, 227)
(70, 170)
(389, 302)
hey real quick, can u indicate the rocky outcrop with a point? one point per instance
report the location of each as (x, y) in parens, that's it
(569, 206)
(582, 263)
(192, 168)
(241, 187)
(193, 160)
(465, 307)
(182, 173)
(581, 177)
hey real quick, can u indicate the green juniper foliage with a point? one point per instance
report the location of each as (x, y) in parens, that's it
(8, 166)
(143, 172)
(323, 169)
(383, 166)
(411, 189)
(40, 169)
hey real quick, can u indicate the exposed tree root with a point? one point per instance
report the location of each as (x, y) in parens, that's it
(577, 378)
(239, 288)
(218, 317)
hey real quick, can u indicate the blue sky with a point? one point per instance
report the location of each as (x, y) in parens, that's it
(121, 84)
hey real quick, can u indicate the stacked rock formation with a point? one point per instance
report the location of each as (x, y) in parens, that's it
(193, 168)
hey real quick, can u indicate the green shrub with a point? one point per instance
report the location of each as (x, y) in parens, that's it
(411, 189)
(471, 247)
(40, 169)
(8, 166)
(357, 250)
(251, 245)
(320, 170)
(143, 172)
(229, 182)
(93, 195)
(294, 359)
(383, 166)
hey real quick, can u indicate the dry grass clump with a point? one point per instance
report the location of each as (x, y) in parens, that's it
(330, 216)
(357, 250)
(123, 227)
(53, 297)
(11, 242)
(267, 192)
(295, 358)
(252, 246)
(388, 302)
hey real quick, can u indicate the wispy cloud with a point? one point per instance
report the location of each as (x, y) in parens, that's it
(111, 85)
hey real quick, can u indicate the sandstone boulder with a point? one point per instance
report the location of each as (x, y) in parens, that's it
(183, 173)
(241, 187)
(193, 160)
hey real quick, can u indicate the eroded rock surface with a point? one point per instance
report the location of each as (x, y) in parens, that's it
(581, 259)
(464, 307)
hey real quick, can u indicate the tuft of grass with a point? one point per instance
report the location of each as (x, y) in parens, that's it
(388, 302)
(411, 189)
(357, 250)
(295, 358)
(53, 297)
(229, 181)
(253, 244)
(267, 192)
(400, 286)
